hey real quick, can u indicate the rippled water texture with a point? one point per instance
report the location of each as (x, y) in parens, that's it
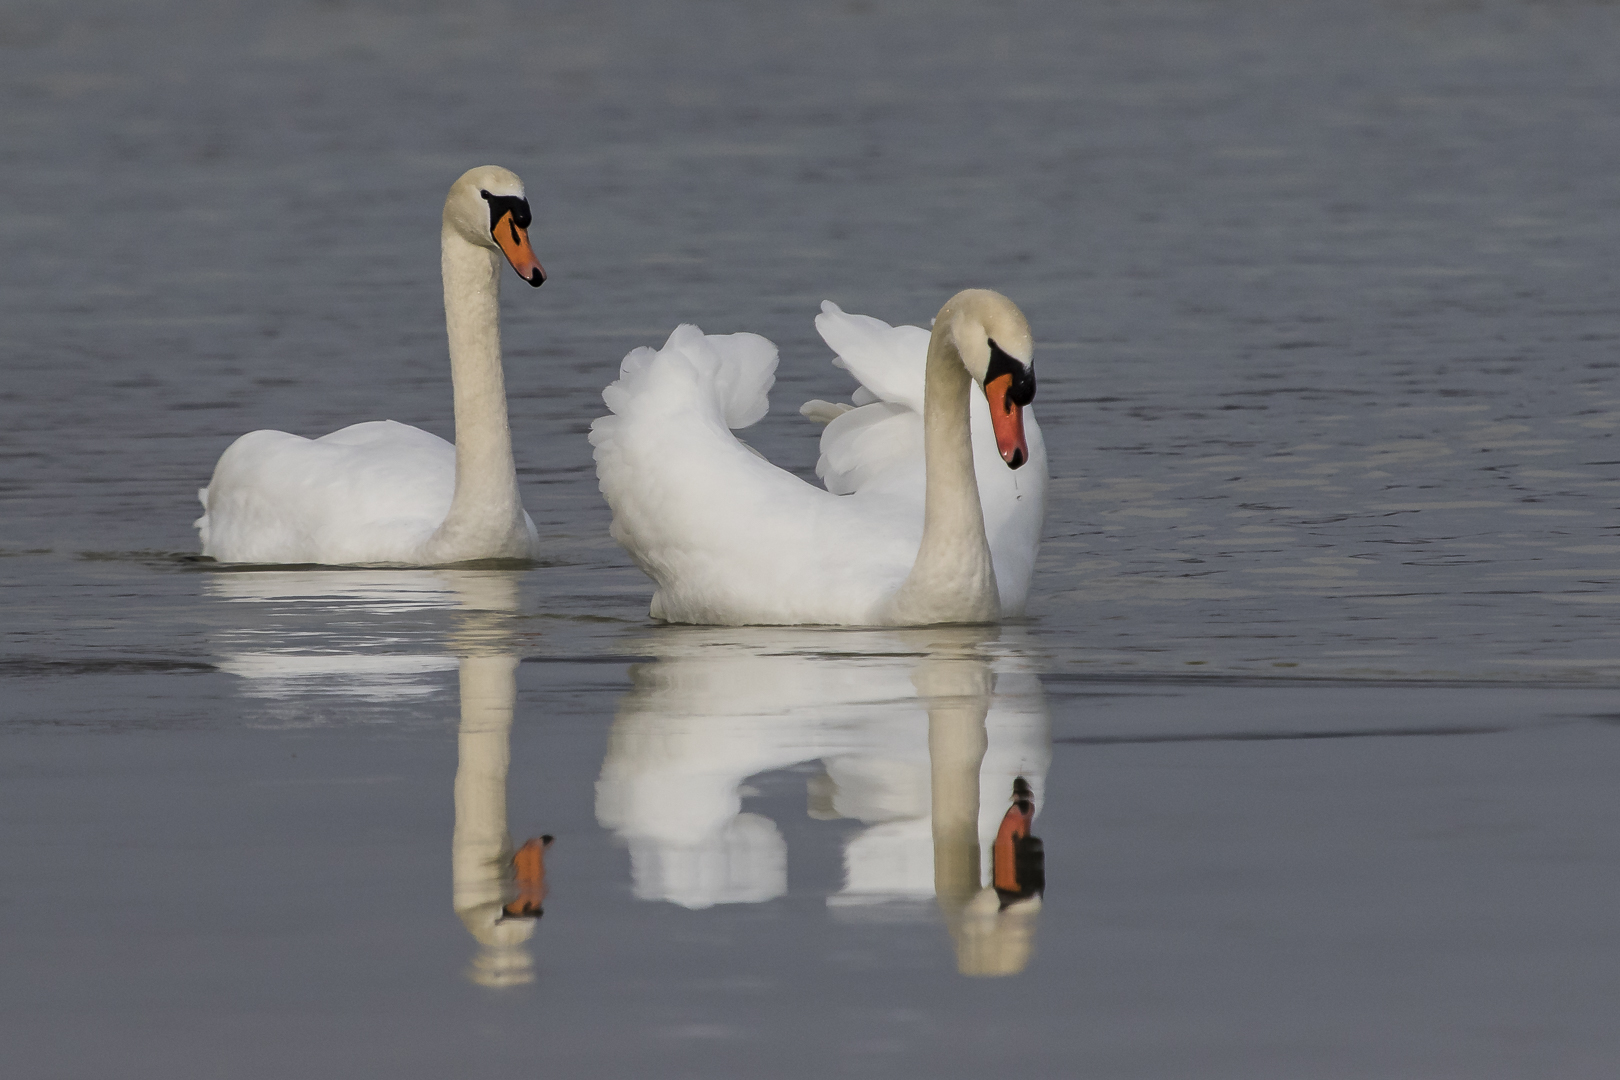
(1316, 695)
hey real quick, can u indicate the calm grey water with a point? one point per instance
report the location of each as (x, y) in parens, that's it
(1318, 688)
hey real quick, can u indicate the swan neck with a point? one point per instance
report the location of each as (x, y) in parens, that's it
(486, 511)
(952, 579)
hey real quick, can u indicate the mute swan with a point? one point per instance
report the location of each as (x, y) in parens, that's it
(910, 531)
(383, 492)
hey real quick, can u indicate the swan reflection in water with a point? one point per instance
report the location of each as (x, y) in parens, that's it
(923, 736)
(497, 892)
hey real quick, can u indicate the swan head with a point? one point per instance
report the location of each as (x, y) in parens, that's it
(992, 337)
(487, 208)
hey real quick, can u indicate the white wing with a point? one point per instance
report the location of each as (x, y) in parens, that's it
(727, 536)
(370, 493)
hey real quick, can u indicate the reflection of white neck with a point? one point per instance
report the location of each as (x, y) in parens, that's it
(988, 941)
(481, 849)
(952, 579)
(958, 696)
(486, 513)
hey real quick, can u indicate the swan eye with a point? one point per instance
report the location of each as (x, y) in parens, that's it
(500, 205)
(1022, 390)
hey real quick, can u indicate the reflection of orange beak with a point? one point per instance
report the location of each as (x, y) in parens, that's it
(1004, 855)
(530, 865)
(1007, 419)
(514, 242)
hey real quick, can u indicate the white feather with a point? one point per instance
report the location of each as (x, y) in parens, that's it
(729, 538)
(369, 493)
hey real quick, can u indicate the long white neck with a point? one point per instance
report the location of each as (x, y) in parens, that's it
(953, 580)
(486, 515)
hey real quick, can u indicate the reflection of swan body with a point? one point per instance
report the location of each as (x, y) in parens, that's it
(920, 522)
(906, 745)
(482, 871)
(383, 492)
(322, 657)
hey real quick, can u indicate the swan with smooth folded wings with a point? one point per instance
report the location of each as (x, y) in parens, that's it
(388, 493)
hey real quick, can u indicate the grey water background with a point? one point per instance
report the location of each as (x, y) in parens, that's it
(1325, 303)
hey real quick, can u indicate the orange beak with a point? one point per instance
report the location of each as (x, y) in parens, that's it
(514, 242)
(1007, 418)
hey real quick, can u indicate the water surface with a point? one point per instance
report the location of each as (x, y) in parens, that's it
(1317, 692)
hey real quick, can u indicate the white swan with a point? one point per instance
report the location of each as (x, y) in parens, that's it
(922, 521)
(383, 492)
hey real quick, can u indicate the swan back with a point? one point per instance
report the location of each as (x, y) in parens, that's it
(727, 536)
(369, 493)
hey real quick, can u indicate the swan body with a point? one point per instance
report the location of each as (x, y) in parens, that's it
(921, 520)
(388, 493)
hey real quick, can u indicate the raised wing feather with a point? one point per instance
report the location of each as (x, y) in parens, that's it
(727, 536)
(889, 361)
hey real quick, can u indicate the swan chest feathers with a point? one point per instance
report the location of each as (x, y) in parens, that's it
(730, 539)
